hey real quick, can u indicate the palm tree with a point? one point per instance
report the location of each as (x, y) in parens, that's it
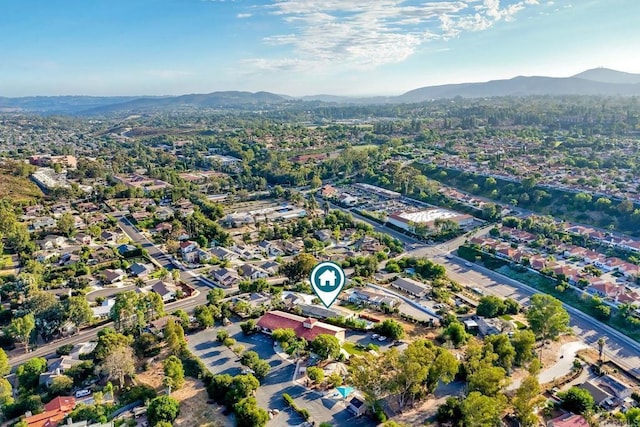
(601, 350)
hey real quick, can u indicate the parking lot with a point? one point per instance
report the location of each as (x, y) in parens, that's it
(220, 360)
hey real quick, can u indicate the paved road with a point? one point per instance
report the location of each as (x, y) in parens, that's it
(91, 333)
(624, 350)
(220, 359)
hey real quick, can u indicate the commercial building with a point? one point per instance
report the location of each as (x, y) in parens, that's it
(409, 220)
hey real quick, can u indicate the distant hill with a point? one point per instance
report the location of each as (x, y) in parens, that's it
(597, 81)
(522, 86)
(59, 104)
(607, 75)
(230, 99)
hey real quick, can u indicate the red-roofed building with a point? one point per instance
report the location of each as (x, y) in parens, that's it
(568, 420)
(54, 412)
(306, 328)
(606, 290)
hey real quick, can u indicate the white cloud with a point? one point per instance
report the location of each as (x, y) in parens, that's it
(368, 33)
(244, 15)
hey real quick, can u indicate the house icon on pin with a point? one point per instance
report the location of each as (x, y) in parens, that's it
(328, 279)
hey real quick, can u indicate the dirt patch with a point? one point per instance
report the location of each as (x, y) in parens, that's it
(551, 352)
(193, 398)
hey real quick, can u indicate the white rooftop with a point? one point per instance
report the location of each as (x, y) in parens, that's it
(428, 215)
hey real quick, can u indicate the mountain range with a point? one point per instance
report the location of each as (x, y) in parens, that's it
(597, 81)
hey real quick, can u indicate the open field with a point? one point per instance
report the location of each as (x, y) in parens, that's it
(18, 189)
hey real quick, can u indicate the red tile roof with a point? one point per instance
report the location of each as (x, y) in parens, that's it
(279, 319)
(569, 420)
(54, 412)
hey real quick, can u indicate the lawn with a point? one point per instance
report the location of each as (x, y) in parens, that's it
(357, 349)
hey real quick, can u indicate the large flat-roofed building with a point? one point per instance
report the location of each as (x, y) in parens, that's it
(46, 160)
(408, 220)
(304, 327)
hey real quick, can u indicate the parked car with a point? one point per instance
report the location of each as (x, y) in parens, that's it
(468, 264)
(374, 336)
(382, 339)
(82, 393)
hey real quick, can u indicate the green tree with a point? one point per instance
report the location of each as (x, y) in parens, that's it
(21, 328)
(5, 366)
(503, 348)
(528, 397)
(219, 387)
(215, 295)
(577, 400)
(299, 268)
(163, 408)
(77, 310)
(261, 369)
(60, 385)
(174, 337)
(249, 358)
(174, 372)
(335, 379)
(523, 342)
(315, 374)
(249, 414)
(241, 386)
(119, 364)
(6, 392)
(203, 316)
(326, 346)
(456, 334)
(391, 328)
(632, 416)
(66, 224)
(108, 341)
(29, 373)
(482, 411)
(487, 380)
(490, 306)
(546, 316)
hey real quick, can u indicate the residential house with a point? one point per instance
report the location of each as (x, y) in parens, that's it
(83, 239)
(163, 227)
(271, 249)
(488, 326)
(320, 312)
(128, 250)
(68, 259)
(112, 276)
(141, 270)
(412, 287)
(54, 412)
(357, 406)
(188, 250)
(323, 235)
(110, 236)
(51, 241)
(103, 311)
(55, 368)
(44, 223)
(367, 297)
(249, 271)
(271, 267)
(226, 277)
(223, 254)
(165, 289)
(606, 290)
(292, 248)
(47, 255)
(306, 328)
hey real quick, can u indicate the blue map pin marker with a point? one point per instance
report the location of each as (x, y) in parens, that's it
(327, 280)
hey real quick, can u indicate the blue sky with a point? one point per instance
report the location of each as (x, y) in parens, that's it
(303, 47)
